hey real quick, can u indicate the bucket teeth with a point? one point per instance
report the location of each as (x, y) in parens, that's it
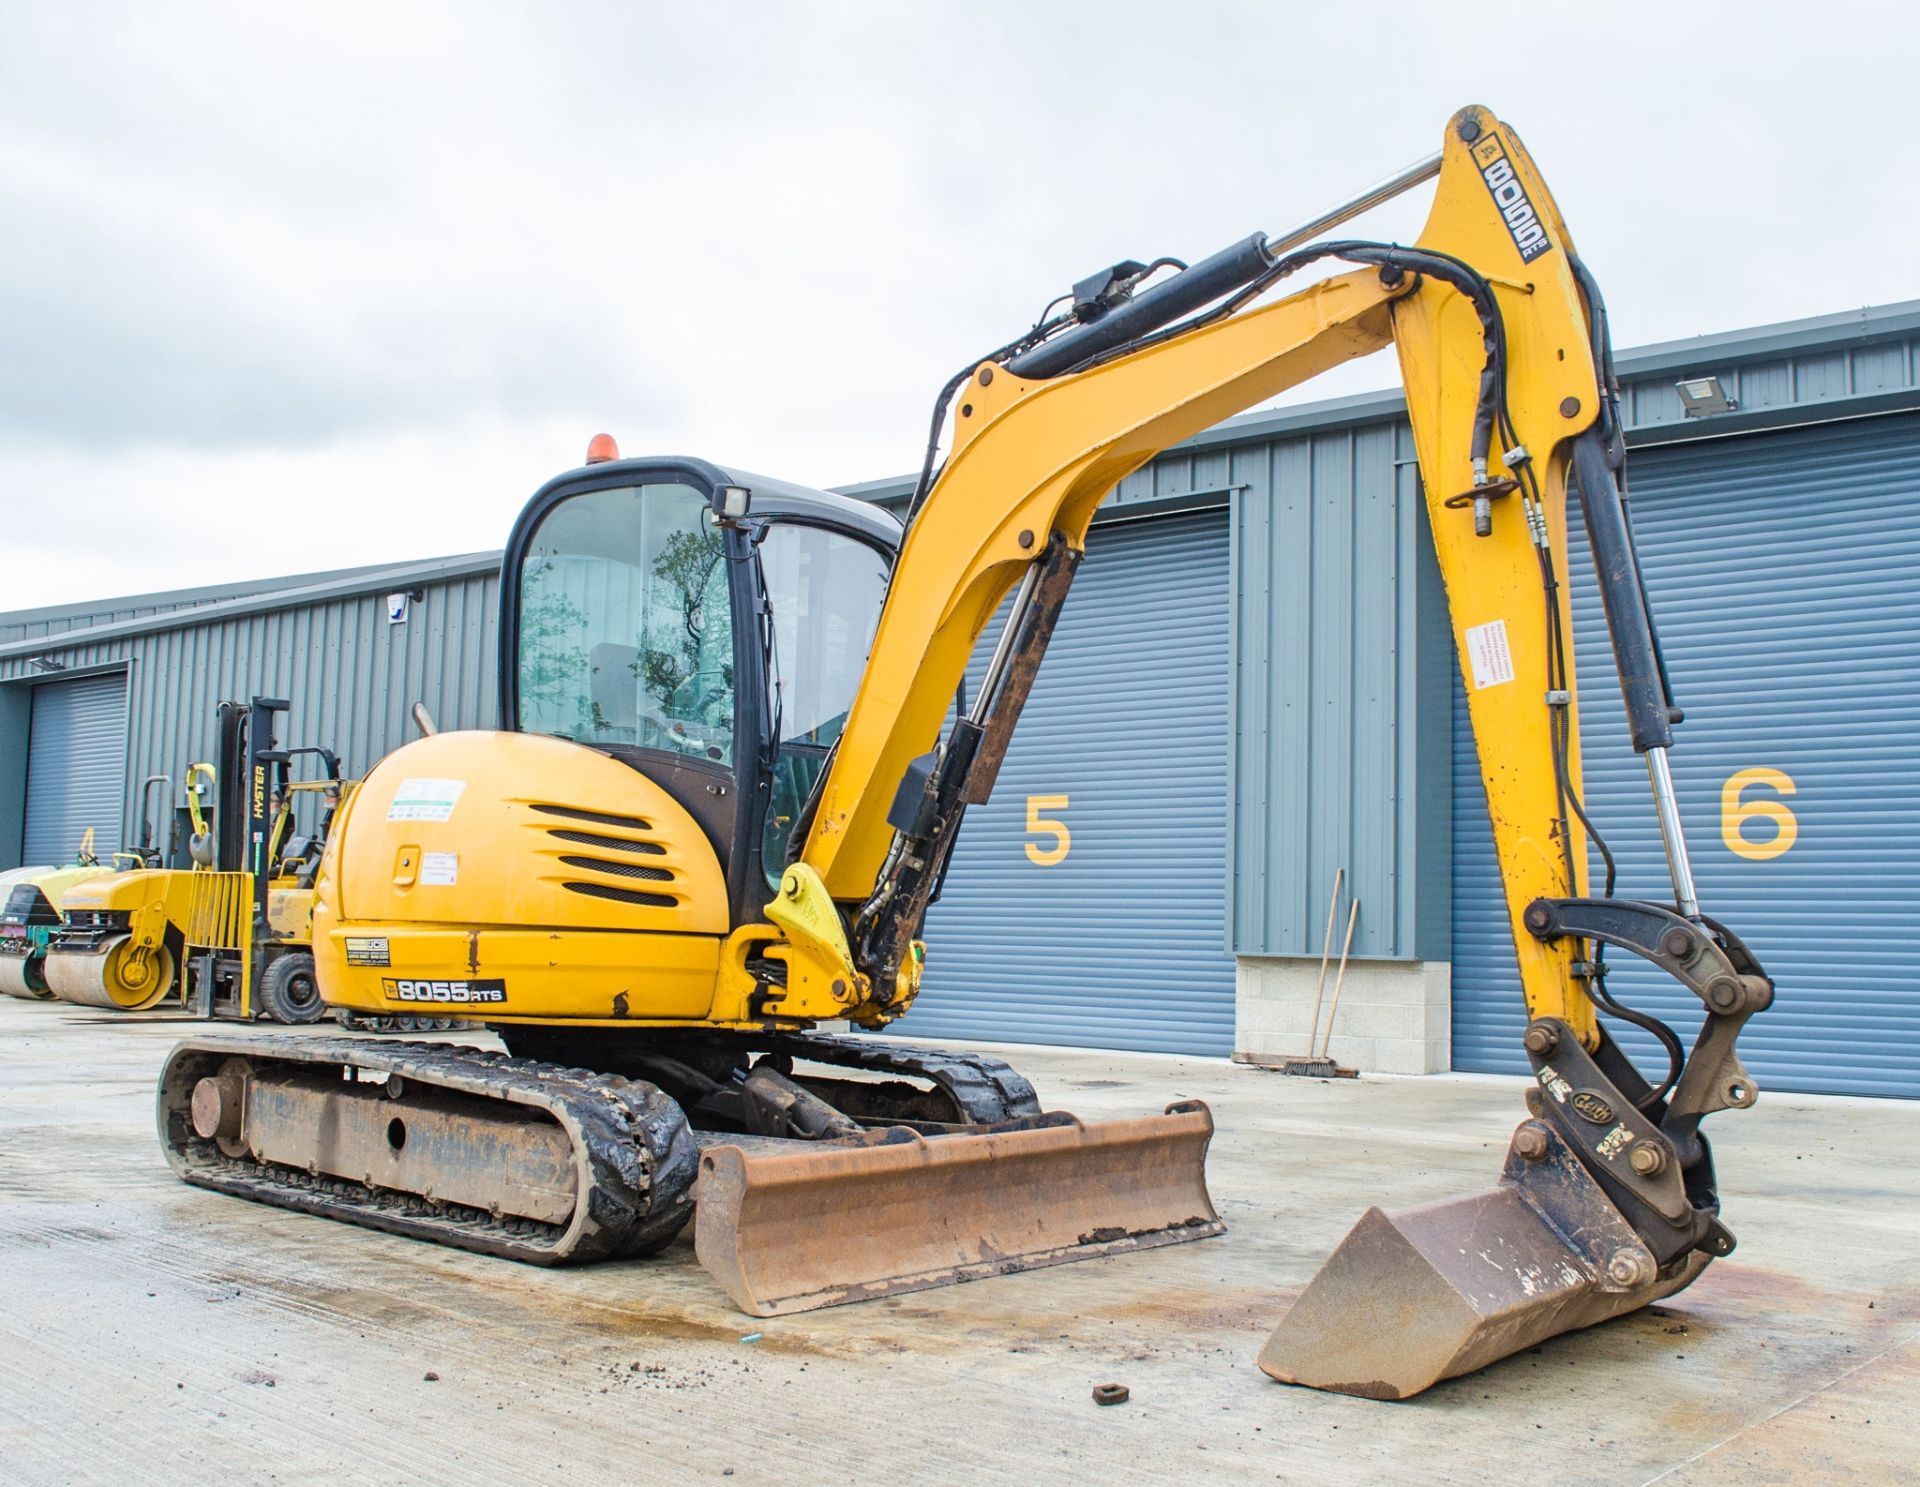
(1431, 1293)
(826, 1224)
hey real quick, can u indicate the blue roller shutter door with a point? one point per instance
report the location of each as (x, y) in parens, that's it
(1785, 574)
(76, 768)
(1121, 942)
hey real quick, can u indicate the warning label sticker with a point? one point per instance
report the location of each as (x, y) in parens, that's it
(440, 868)
(371, 951)
(1488, 658)
(425, 800)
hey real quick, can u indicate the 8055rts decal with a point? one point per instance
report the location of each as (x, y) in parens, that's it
(460, 993)
(1510, 196)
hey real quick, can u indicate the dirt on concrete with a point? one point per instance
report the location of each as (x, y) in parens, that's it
(151, 1332)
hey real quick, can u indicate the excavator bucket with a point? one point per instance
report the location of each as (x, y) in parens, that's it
(795, 1229)
(1411, 1298)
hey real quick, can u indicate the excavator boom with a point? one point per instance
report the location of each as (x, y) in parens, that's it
(1503, 346)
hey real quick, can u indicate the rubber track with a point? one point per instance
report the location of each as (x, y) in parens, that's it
(987, 1089)
(641, 1155)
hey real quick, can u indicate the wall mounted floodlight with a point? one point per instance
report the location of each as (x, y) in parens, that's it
(1703, 396)
(47, 663)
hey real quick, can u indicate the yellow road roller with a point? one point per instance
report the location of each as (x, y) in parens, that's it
(120, 940)
(31, 899)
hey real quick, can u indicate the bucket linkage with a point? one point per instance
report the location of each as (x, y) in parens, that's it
(1606, 1203)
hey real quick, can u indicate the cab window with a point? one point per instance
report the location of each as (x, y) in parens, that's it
(825, 591)
(626, 633)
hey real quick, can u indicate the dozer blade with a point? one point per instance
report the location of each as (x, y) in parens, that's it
(1412, 1298)
(788, 1231)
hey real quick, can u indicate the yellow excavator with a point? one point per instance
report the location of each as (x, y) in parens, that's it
(729, 775)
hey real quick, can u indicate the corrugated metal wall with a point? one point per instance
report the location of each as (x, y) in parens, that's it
(1857, 365)
(63, 619)
(1121, 943)
(350, 675)
(1340, 721)
(1785, 573)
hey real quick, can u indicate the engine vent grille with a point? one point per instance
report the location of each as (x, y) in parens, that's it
(622, 869)
(598, 818)
(607, 843)
(621, 895)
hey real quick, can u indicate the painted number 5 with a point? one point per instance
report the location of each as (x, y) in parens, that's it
(1736, 811)
(1039, 824)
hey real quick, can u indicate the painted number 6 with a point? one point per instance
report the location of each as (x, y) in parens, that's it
(1736, 811)
(1038, 824)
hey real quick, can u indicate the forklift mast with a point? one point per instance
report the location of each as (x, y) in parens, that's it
(251, 775)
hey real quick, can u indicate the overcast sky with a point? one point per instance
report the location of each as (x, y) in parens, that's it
(294, 287)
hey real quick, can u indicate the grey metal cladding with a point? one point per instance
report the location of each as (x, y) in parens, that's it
(1339, 732)
(62, 619)
(1784, 570)
(1818, 380)
(351, 677)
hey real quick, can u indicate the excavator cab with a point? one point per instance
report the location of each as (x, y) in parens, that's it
(705, 626)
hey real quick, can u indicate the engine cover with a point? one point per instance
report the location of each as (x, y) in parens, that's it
(514, 877)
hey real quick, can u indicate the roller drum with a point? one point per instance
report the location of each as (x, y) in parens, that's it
(17, 979)
(114, 979)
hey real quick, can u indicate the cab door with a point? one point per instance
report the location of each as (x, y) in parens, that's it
(823, 591)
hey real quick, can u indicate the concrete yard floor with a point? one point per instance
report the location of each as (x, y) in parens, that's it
(151, 1332)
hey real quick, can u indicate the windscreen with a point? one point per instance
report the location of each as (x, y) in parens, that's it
(626, 634)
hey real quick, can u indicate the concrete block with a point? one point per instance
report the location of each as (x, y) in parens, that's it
(1401, 1056)
(1355, 1053)
(1362, 1020)
(1393, 1017)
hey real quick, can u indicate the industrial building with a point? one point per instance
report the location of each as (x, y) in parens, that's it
(1253, 689)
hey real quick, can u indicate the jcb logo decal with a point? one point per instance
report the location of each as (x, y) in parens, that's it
(1510, 196)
